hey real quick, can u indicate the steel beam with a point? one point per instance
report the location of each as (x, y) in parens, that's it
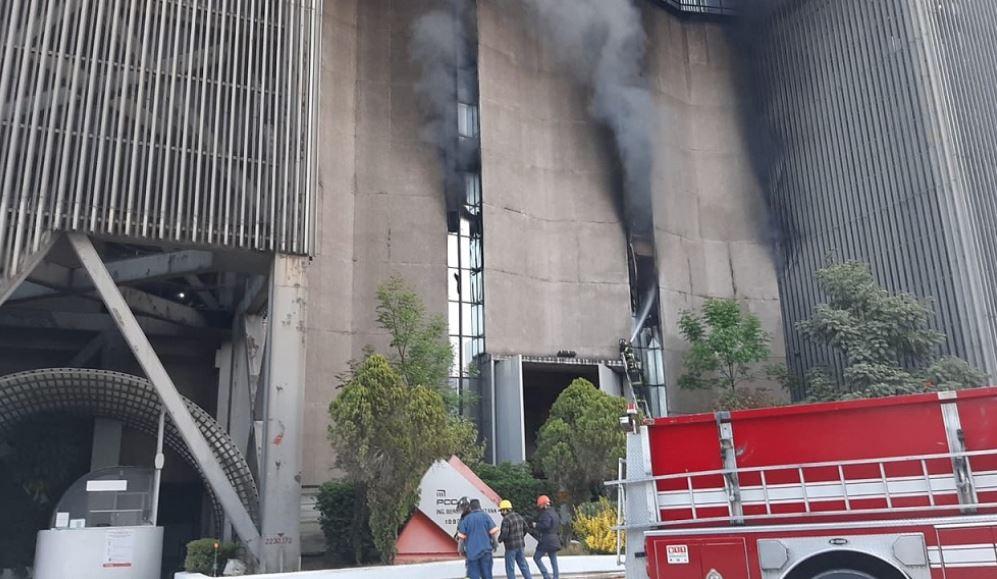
(88, 351)
(85, 322)
(283, 414)
(132, 270)
(172, 401)
(207, 298)
(11, 281)
(163, 309)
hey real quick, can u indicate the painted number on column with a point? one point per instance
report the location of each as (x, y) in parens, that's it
(678, 554)
(278, 539)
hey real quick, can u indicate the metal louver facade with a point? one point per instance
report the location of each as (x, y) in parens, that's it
(174, 121)
(882, 116)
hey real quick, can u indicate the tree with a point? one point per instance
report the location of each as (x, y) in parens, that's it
(422, 354)
(516, 483)
(726, 342)
(387, 434)
(423, 357)
(883, 339)
(580, 444)
(386, 425)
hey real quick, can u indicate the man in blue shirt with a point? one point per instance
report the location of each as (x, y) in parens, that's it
(477, 530)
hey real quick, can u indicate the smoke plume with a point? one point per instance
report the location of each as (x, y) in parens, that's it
(602, 42)
(439, 47)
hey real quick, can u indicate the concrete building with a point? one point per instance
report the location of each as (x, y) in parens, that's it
(208, 194)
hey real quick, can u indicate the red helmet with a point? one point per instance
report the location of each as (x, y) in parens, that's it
(543, 501)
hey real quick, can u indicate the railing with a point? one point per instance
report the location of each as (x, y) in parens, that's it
(957, 488)
(621, 503)
(711, 7)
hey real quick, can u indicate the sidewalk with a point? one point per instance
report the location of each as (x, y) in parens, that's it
(576, 566)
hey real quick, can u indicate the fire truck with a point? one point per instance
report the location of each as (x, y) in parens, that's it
(890, 488)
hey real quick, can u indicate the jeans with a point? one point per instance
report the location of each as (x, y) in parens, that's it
(538, 559)
(515, 557)
(480, 568)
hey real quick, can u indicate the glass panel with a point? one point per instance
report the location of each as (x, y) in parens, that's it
(465, 227)
(472, 186)
(454, 345)
(466, 349)
(467, 120)
(477, 321)
(477, 288)
(465, 285)
(453, 289)
(454, 316)
(452, 249)
(466, 325)
(475, 250)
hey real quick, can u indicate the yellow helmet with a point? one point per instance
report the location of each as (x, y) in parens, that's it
(505, 505)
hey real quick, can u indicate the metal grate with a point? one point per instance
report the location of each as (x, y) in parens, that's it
(127, 398)
(174, 120)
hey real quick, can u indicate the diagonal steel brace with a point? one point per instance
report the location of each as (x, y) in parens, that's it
(172, 401)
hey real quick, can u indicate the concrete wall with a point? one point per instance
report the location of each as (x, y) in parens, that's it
(380, 200)
(555, 253)
(711, 223)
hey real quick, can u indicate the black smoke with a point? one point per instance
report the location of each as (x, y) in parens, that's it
(440, 48)
(603, 42)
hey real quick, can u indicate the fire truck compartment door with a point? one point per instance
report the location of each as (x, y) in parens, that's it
(712, 558)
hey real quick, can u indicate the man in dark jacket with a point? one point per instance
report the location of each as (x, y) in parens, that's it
(513, 536)
(464, 508)
(548, 525)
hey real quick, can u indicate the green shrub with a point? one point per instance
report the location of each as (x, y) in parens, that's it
(344, 543)
(516, 483)
(201, 556)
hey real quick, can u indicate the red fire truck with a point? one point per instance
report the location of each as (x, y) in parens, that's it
(890, 488)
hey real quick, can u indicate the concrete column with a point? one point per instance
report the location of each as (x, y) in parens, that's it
(609, 381)
(106, 451)
(283, 408)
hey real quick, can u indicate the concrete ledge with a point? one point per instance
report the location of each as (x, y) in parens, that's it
(568, 565)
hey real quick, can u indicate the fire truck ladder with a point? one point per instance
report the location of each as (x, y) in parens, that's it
(812, 493)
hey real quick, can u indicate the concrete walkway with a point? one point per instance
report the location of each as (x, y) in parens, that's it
(575, 566)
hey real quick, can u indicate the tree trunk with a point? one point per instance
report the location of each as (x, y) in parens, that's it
(360, 518)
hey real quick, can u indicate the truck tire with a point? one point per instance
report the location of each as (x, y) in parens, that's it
(845, 565)
(843, 574)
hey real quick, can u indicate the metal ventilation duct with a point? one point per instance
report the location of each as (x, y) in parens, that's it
(169, 120)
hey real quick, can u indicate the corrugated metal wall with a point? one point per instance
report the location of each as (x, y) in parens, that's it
(177, 120)
(961, 37)
(862, 170)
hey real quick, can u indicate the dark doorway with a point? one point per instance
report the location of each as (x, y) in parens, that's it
(39, 458)
(543, 382)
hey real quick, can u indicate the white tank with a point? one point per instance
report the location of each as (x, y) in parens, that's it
(99, 553)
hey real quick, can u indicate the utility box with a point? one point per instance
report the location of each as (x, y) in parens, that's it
(99, 553)
(102, 528)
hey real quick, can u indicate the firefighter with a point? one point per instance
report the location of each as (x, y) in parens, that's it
(513, 536)
(548, 525)
(630, 363)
